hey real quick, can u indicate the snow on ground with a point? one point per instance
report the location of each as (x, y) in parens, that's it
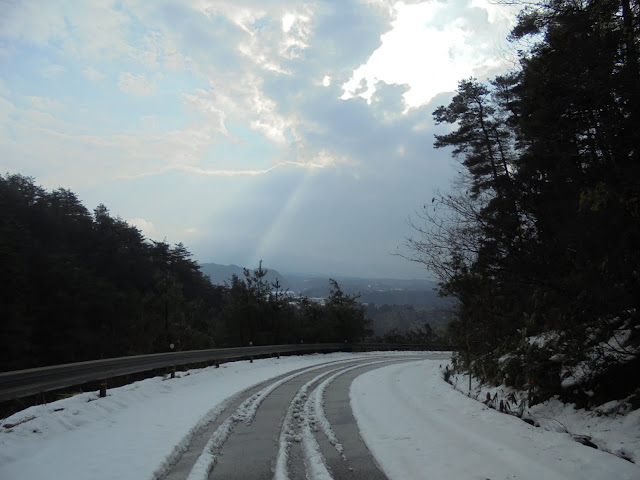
(613, 427)
(418, 426)
(134, 430)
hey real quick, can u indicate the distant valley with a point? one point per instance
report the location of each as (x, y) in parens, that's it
(418, 296)
(419, 293)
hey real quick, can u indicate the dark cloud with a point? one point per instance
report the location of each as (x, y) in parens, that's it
(345, 33)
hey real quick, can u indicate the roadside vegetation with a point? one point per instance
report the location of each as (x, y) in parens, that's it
(539, 238)
(78, 286)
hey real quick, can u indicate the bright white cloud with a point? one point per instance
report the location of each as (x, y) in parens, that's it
(433, 45)
(323, 159)
(297, 29)
(287, 22)
(273, 32)
(135, 84)
(246, 101)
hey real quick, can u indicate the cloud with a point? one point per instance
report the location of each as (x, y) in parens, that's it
(53, 70)
(92, 29)
(158, 50)
(431, 46)
(244, 100)
(247, 148)
(146, 227)
(4, 90)
(268, 34)
(272, 33)
(36, 133)
(46, 104)
(64, 154)
(135, 84)
(94, 75)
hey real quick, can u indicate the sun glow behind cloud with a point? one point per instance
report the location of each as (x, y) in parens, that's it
(207, 101)
(430, 47)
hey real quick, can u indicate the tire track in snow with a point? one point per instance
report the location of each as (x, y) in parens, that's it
(244, 413)
(288, 435)
(315, 415)
(308, 410)
(200, 451)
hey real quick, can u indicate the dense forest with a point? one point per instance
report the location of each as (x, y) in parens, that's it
(392, 320)
(539, 239)
(78, 286)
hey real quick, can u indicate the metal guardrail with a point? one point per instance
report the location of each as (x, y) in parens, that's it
(22, 383)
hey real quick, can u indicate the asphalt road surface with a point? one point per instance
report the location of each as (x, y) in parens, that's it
(296, 426)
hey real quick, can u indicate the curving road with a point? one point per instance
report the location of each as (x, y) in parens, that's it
(296, 426)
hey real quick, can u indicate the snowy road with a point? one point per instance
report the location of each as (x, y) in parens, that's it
(437, 432)
(282, 427)
(305, 422)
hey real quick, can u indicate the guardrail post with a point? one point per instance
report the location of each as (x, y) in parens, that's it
(173, 372)
(103, 388)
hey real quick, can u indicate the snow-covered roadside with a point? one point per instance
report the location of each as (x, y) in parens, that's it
(418, 426)
(135, 429)
(611, 427)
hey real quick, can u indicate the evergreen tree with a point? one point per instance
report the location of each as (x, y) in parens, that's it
(77, 286)
(542, 232)
(345, 316)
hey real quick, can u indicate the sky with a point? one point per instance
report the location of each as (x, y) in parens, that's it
(299, 133)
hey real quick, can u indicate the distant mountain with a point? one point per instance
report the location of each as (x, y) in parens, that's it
(418, 293)
(220, 274)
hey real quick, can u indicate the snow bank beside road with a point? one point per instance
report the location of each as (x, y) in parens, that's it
(418, 426)
(135, 429)
(613, 427)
